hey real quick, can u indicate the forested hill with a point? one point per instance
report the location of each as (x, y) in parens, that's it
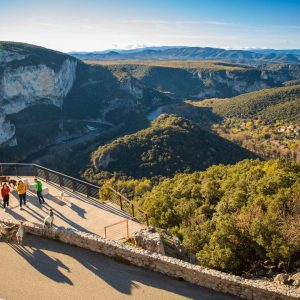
(171, 145)
(266, 122)
(281, 103)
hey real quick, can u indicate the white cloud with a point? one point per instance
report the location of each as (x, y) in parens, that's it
(52, 25)
(184, 22)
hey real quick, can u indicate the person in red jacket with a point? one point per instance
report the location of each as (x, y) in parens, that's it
(5, 195)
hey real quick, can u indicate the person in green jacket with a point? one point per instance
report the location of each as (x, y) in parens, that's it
(39, 190)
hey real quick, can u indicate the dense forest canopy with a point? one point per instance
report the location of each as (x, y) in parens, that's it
(235, 218)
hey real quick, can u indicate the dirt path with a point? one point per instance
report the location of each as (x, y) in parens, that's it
(45, 269)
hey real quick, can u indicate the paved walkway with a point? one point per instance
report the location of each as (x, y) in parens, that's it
(74, 211)
(46, 269)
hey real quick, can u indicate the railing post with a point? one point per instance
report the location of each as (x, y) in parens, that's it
(34, 170)
(147, 219)
(132, 209)
(87, 191)
(105, 232)
(73, 185)
(61, 180)
(121, 202)
(127, 228)
(46, 175)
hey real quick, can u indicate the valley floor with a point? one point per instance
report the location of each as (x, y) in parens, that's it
(46, 269)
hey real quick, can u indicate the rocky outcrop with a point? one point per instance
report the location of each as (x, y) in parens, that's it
(104, 161)
(133, 86)
(7, 131)
(288, 279)
(8, 56)
(149, 239)
(237, 82)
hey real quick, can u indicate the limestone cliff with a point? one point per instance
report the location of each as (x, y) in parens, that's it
(29, 85)
(201, 80)
(7, 131)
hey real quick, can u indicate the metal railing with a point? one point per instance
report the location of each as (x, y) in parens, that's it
(128, 206)
(75, 185)
(116, 230)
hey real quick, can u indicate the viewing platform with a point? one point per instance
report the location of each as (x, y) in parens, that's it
(74, 202)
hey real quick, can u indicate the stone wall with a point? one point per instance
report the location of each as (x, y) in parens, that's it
(212, 279)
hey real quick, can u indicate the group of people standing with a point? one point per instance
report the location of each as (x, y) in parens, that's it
(21, 188)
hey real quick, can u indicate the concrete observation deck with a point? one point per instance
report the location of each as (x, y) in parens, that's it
(54, 270)
(73, 210)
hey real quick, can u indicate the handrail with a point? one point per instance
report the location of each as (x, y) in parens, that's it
(76, 185)
(50, 170)
(117, 223)
(131, 203)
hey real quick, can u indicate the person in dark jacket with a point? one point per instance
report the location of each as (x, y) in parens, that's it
(39, 190)
(5, 195)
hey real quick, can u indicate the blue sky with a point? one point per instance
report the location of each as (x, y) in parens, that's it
(101, 24)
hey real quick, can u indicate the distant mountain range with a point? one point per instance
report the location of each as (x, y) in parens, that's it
(194, 53)
(281, 51)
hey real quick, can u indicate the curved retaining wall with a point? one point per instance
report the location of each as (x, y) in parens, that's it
(212, 279)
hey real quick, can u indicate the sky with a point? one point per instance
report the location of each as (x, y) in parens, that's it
(91, 25)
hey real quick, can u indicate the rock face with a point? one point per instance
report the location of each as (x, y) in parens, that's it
(29, 85)
(282, 279)
(105, 160)
(149, 239)
(134, 87)
(8, 56)
(196, 81)
(7, 130)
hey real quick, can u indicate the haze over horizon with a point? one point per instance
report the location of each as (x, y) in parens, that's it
(99, 25)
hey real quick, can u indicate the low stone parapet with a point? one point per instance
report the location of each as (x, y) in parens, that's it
(204, 277)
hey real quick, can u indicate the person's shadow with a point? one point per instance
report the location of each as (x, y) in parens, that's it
(44, 263)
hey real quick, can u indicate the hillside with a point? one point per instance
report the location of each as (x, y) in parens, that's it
(171, 145)
(188, 53)
(266, 122)
(260, 104)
